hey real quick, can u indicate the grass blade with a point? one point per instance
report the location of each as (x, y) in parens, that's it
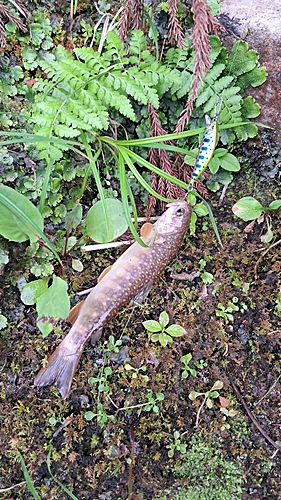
(28, 479)
(124, 197)
(29, 223)
(64, 488)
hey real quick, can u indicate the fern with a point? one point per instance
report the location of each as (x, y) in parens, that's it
(223, 86)
(81, 94)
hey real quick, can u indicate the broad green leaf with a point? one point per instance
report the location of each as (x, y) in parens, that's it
(274, 205)
(229, 162)
(247, 208)
(186, 358)
(175, 331)
(52, 305)
(200, 210)
(33, 290)
(193, 395)
(152, 326)
(95, 221)
(164, 319)
(77, 265)
(214, 164)
(73, 218)
(18, 216)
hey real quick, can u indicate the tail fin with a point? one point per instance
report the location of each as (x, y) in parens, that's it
(59, 370)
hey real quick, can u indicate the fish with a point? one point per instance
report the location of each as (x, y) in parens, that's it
(132, 273)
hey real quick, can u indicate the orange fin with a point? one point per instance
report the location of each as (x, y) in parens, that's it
(74, 312)
(146, 229)
(105, 271)
(59, 370)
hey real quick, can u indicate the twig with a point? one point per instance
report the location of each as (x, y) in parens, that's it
(199, 412)
(249, 413)
(262, 256)
(132, 463)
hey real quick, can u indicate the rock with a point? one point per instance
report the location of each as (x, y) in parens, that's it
(258, 23)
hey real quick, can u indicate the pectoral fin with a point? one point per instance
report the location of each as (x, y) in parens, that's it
(147, 233)
(105, 271)
(74, 312)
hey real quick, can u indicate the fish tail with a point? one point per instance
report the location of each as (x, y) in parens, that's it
(59, 370)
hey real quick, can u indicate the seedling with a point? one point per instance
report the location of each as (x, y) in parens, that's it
(209, 396)
(187, 369)
(165, 335)
(250, 209)
(177, 445)
(136, 372)
(226, 312)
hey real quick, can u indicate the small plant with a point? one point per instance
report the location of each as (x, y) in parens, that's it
(187, 369)
(209, 397)
(226, 312)
(250, 209)
(165, 335)
(153, 401)
(177, 445)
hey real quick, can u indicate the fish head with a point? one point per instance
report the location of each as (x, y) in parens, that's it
(175, 218)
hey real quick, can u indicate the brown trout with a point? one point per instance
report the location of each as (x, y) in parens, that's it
(132, 272)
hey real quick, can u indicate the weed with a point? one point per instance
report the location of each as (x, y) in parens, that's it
(166, 335)
(187, 369)
(226, 312)
(177, 445)
(209, 396)
(250, 209)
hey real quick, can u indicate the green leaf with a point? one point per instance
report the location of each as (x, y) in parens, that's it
(176, 331)
(186, 358)
(152, 326)
(217, 385)
(33, 290)
(52, 305)
(229, 162)
(248, 208)
(95, 221)
(164, 319)
(18, 216)
(3, 321)
(200, 209)
(73, 218)
(274, 205)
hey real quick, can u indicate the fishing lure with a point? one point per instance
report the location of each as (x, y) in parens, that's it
(206, 148)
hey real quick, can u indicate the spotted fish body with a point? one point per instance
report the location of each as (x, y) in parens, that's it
(133, 271)
(206, 148)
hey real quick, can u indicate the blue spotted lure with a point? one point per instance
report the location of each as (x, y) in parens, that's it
(206, 148)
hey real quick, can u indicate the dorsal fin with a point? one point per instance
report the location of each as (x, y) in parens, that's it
(105, 271)
(74, 312)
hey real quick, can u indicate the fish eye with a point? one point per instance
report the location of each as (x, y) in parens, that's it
(180, 212)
